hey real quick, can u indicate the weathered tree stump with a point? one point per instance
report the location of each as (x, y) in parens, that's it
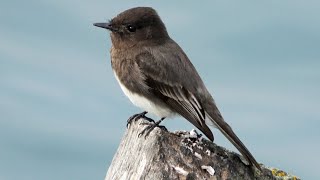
(179, 155)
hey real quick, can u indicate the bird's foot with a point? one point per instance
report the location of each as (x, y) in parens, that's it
(137, 117)
(147, 130)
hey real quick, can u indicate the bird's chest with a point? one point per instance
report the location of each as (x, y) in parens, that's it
(144, 102)
(132, 83)
(121, 62)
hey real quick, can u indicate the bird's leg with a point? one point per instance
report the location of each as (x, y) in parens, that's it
(138, 116)
(150, 127)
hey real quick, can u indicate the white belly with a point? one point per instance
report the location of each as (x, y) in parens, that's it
(144, 103)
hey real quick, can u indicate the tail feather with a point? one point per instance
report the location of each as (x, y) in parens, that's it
(215, 116)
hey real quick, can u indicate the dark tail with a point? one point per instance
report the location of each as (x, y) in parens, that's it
(216, 118)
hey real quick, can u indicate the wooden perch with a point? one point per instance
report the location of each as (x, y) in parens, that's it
(179, 155)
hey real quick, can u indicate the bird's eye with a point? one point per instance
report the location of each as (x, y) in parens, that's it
(131, 28)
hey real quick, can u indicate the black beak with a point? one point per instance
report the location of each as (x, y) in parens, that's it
(104, 25)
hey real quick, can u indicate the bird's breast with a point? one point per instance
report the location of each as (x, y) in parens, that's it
(153, 106)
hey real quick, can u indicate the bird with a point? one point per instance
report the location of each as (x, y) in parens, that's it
(156, 75)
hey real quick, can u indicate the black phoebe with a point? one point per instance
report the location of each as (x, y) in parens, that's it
(157, 76)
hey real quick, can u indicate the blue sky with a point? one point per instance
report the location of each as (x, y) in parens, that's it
(63, 113)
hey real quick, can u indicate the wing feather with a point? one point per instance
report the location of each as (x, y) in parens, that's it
(177, 90)
(172, 78)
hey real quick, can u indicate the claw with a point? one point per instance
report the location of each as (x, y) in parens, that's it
(147, 130)
(148, 119)
(136, 117)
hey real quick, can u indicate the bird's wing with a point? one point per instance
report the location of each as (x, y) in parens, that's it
(160, 69)
(183, 102)
(172, 77)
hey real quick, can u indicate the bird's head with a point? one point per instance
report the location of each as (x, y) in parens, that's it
(136, 26)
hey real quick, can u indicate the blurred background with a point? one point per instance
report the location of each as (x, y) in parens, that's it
(62, 113)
